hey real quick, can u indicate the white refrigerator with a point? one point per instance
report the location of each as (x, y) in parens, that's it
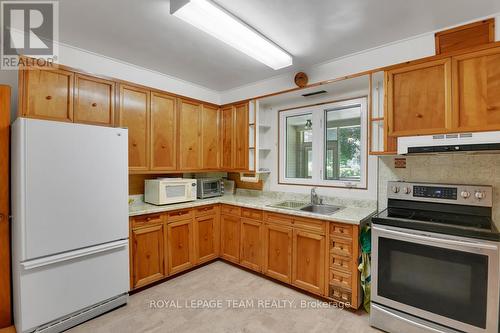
(70, 257)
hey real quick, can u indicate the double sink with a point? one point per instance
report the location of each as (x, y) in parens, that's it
(307, 207)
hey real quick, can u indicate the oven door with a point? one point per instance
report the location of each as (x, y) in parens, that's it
(452, 281)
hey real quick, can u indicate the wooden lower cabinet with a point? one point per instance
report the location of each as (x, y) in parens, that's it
(180, 246)
(250, 247)
(278, 252)
(308, 261)
(314, 255)
(147, 252)
(207, 233)
(230, 238)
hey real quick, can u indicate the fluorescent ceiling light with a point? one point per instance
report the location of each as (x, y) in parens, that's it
(214, 20)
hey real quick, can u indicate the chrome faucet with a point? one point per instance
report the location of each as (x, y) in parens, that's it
(314, 197)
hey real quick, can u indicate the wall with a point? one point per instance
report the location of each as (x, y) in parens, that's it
(478, 169)
(393, 53)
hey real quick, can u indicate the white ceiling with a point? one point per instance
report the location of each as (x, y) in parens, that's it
(142, 32)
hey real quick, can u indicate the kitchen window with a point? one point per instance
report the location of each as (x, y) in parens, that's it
(324, 144)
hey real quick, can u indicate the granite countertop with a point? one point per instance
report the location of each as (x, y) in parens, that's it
(354, 211)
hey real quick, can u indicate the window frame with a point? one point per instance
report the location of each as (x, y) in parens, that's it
(319, 113)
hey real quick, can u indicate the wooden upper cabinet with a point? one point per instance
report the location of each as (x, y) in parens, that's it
(309, 261)
(134, 115)
(278, 252)
(147, 255)
(476, 78)
(163, 132)
(48, 94)
(94, 101)
(210, 137)
(180, 246)
(241, 137)
(227, 125)
(419, 98)
(189, 135)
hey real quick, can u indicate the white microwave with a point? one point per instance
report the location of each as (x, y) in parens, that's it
(164, 191)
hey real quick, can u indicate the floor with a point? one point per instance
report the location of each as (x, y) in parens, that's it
(222, 298)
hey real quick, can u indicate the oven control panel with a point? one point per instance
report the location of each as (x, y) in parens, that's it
(473, 195)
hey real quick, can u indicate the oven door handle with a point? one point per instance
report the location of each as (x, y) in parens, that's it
(426, 237)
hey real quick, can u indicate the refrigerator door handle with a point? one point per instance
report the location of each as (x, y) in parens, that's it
(36, 263)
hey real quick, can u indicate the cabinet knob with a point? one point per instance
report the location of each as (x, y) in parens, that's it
(48, 97)
(2, 217)
(277, 252)
(134, 144)
(94, 105)
(163, 146)
(418, 115)
(190, 148)
(308, 260)
(491, 108)
(179, 246)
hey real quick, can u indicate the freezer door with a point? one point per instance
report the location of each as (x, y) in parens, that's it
(57, 286)
(70, 186)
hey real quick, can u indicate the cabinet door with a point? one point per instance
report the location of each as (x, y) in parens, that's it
(94, 101)
(227, 125)
(206, 232)
(278, 252)
(230, 238)
(134, 115)
(476, 82)
(189, 135)
(48, 94)
(250, 248)
(163, 132)
(147, 255)
(419, 98)
(210, 137)
(308, 261)
(241, 137)
(180, 241)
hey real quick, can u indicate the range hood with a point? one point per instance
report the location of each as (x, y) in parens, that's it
(448, 143)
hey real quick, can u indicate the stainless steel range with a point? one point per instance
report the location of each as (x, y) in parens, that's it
(435, 260)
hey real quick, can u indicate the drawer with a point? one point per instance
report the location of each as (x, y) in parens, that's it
(231, 210)
(341, 247)
(339, 294)
(138, 221)
(340, 279)
(341, 230)
(340, 263)
(253, 214)
(205, 210)
(310, 224)
(178, 215)
(278, 218)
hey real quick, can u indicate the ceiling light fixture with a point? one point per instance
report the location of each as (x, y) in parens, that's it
(216, 21)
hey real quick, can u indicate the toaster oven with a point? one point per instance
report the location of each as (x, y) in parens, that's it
(210, 187)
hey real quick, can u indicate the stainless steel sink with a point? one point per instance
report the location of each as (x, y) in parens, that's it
(321, 209)
(290, 204)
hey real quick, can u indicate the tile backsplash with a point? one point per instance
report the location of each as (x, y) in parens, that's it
(476, 169)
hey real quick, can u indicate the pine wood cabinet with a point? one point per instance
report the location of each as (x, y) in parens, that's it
(419, 98)
(230, 237)
(46, 94)
(308, 261)
(163, 132)
(180, 245)
(234, 126)
(189, 135)
(147, 253)
(278, 252)
(134, 115)
(251, 244)
(210, 138)
(476, 91)
(94, 101)
(207, 233)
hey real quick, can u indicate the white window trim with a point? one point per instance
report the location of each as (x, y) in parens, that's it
(318, 114)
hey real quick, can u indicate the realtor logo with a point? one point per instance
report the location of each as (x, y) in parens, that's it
(29, 28)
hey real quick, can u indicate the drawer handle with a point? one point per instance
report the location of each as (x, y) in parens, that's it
(418, 115)
(491, 108)
(94, 105)
(48, 97)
